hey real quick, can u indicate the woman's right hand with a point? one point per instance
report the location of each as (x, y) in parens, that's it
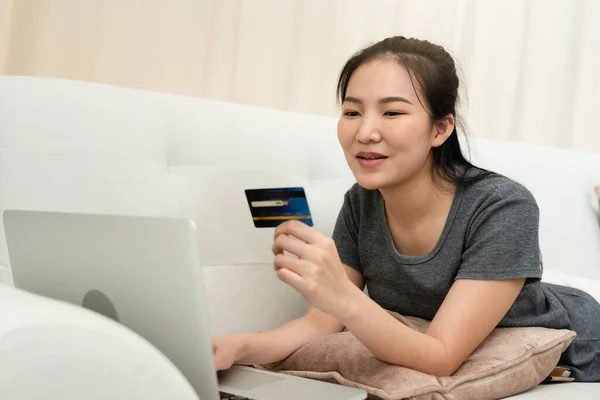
(267, 347)
(226, 351)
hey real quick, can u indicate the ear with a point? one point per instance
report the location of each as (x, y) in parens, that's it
(442, 129)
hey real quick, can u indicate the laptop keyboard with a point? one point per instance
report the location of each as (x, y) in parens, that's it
(228, 396)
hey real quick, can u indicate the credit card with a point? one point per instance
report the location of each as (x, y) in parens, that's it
(272, 207)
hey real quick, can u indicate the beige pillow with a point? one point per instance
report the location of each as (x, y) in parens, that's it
(509, 361)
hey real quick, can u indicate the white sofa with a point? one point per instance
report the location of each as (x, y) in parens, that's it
(74, 146)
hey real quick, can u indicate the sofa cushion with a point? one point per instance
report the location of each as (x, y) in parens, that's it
(214, 197)
(509, 361)
(6, 276)
(326, 200)
(572, 390)
(46, 113)
(83, 181)
(209, 132)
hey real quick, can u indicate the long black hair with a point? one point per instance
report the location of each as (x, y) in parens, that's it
(434, 71)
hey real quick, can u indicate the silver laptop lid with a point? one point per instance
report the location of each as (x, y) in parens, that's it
(142, 271)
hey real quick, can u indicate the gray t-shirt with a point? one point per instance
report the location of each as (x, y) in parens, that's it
(491, 233)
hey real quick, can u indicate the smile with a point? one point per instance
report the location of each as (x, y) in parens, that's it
(370, 161)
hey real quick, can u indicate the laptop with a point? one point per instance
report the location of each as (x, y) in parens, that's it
(145, 273)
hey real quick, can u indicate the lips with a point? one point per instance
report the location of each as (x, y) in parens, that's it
(370, 159)
(370, 156)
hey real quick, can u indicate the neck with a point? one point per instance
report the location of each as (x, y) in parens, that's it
(418, 199)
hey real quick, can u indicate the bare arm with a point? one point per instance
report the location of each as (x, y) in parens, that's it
(276, 345)
(471, 310)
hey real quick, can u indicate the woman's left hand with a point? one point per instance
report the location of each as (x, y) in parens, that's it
(318, 273)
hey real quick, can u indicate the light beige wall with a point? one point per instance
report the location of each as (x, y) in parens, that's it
(275, 53)
(148, 44)
(530, 66)
(5, 16)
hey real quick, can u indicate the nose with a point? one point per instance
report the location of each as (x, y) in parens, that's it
(368, 131)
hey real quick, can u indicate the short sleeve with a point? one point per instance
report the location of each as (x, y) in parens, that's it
(503, 240)
(345, 235)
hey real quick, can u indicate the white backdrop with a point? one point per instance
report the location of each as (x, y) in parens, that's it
(530, 66)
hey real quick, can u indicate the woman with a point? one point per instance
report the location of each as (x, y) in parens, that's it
(430, 234)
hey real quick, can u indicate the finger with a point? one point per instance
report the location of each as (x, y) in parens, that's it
(289, 244)
(291, 278)
(299, 230)
(295, 265)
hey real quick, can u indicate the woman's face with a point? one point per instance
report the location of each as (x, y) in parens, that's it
(384, 130)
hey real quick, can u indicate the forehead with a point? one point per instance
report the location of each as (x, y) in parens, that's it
(381, 78)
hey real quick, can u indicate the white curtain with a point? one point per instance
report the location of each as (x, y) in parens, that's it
(529, 66)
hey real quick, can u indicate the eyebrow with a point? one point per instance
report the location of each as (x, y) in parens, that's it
(385, 100)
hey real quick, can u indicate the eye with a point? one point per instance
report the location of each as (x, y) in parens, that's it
(350, 113)
(393, 113)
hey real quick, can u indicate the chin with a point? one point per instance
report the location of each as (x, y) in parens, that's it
(371, 181)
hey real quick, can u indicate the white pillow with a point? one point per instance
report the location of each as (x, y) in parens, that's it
(54, 350)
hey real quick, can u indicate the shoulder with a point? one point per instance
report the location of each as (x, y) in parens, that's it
(498, 189)
(499, 201)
